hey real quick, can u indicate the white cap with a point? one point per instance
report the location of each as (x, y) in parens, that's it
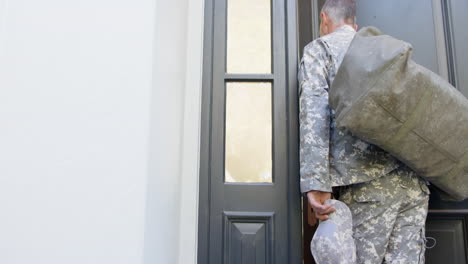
(333, 241)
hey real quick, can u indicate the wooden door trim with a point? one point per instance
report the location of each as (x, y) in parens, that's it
(205, 137)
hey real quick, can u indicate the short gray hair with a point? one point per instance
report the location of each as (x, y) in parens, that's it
(341, 11)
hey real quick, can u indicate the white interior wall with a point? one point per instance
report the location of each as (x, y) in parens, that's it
(93, 162)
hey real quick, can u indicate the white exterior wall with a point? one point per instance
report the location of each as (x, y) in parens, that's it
(94, 164)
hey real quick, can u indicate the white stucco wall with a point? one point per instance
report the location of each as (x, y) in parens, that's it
(92, 103)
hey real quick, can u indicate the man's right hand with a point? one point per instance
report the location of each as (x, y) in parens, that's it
(317, 202)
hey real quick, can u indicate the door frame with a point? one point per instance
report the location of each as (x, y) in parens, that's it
(187, 236)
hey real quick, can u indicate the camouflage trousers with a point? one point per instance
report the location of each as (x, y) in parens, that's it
(389, 215)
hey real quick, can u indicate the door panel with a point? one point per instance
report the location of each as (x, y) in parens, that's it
(456, 25)
(446, 239)
(411, 21)
(249, 193)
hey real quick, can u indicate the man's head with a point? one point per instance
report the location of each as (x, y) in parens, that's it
(336, 13)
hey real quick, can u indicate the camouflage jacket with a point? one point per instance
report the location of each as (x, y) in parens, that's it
(331, 156)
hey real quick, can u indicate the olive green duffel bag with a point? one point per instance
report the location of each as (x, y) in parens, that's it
(385, 98)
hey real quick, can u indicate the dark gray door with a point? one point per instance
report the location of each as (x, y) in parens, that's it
(249, 192)
(437, 31)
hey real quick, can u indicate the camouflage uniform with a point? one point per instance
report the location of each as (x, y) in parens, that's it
(331, 157)
(389, 215)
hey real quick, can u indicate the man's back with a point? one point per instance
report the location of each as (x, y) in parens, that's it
(389, 212)
(335, 45)
(330, 156)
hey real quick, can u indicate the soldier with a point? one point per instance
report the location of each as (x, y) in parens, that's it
(388, 201)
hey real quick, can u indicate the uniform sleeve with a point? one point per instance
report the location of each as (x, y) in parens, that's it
(314, 119)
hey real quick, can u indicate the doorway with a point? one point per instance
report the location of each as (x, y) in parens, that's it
(250, 208)
(436, 30)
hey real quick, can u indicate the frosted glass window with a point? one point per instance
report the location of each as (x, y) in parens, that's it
(249, 36)
(248, 156)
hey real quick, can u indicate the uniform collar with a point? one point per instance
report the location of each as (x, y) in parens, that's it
(345, 28)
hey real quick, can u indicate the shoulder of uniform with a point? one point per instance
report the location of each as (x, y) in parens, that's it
(315, 47)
